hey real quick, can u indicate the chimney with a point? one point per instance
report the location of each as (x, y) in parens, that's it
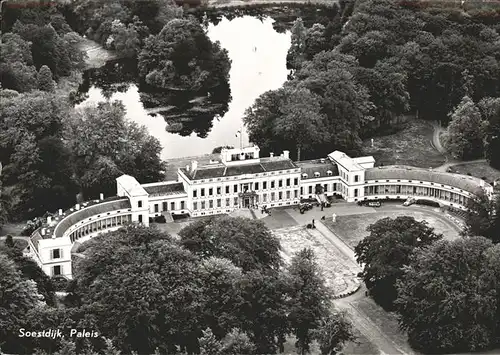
(77, 206)
(187, 167)
(101, 196)
(194, 165)
(60, 212)
(271, 155)
(286, 154)
(43, 231)
(49, 220)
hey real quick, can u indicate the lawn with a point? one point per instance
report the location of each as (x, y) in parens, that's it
(410, 146)
(339, 272)
(481, 170)
(352, 229)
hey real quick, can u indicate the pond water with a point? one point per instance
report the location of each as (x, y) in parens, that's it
(258, 55)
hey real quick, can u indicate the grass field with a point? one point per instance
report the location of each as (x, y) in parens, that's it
(352, 229)
(410, 146)
(480, 170)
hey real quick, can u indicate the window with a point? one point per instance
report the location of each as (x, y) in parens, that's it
(210, 191)
(202, 205)
(296, 193)
(165, 206)
(355, 192)
(288, 195)
(182, 205)
(172, 205)
(195, 193)
(310, 189)
(273, 196)
(195, 206)
(295, 181)
(272, 184)
(316, 174)
(235, 188)
(304, 176)
(256, 186)
(156, 208)
(264, 185)
(301, 190)
(140, 220)
(219, 201)
(280, 195)
(235, 201)
(356, 178)
(264, 198)
(329, 173)
(139, 204)
(56, 254)
(280, 183)
(219, 191)
(287, 182)
(56, 270)
(227, 202)
(211, 204)
(227, 189)
(202, 192)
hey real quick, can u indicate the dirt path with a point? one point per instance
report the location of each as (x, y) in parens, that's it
(97, 56)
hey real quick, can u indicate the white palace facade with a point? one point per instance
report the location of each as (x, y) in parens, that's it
(240, 178)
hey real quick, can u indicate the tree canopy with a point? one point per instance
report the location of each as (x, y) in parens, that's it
(387, 250)
(448, 296)
(182, 56)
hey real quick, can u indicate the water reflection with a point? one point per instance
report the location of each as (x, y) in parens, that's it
(199, 122)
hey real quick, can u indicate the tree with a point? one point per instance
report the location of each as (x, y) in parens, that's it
(296, 52)
(385, 252)
(181, 56)
(333, 332)
(18, 296)
(160, 282)
(249, 244)
(301, 122)
(118, 147)
(9, 241)
(126, 40)
(309, 298)
(44, 79)
(490, 111)
(209, 345)
(237, 343)
(16, 63)
(446, 300)
(465, 137)
(482, 218)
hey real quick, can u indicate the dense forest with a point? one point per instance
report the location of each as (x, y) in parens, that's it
(385, 59)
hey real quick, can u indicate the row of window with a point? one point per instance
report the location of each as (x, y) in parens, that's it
(416, 191)
(165, 206)
(244, 187)
(256, 175)
(101, 225)
(218, 203)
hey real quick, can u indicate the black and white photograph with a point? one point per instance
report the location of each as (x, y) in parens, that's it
(249, 177)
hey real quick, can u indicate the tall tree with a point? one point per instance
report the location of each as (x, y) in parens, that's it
(17, 297)
(482, 218)
(334, 331)
(446, 300)
(309, 298)
(296, 52)
(464, 138)
(490, 111)
(387, 250)
(17, 71)
(44, 79)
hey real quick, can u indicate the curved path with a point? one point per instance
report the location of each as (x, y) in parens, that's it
(450, 162)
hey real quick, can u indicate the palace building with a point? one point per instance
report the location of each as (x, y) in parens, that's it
(239, 179)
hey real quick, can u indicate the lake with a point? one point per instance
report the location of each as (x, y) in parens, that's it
(258, 55)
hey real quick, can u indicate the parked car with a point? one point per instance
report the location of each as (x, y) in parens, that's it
(374, 204)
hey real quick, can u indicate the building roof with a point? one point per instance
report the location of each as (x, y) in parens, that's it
(346, 161)
(87, 212)
(468, 183)
(220, 170)
(131, 185)
(167, 188)
(310, 167)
